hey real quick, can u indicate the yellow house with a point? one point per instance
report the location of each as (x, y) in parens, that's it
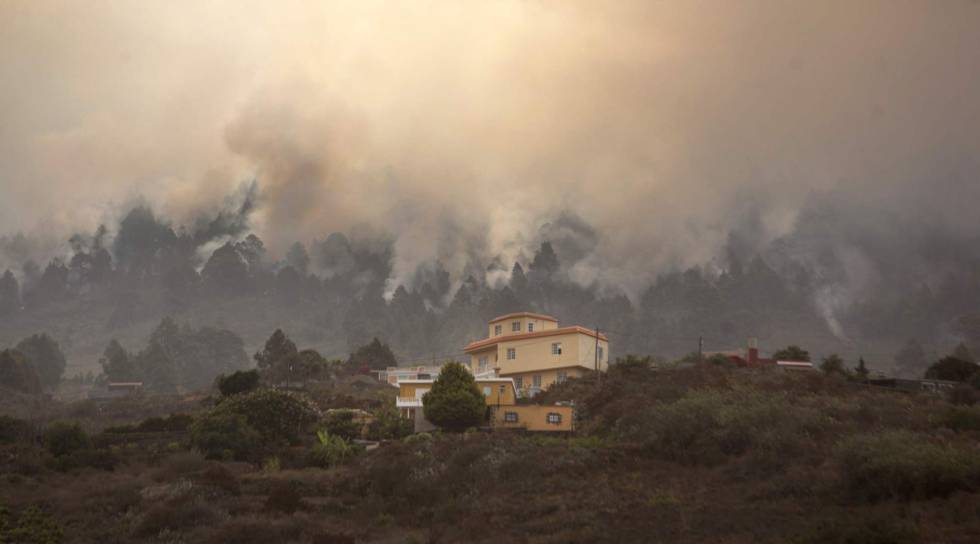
(535, 352)
(501, 398)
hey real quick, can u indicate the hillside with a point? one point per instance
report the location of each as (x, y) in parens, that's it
(698, 454)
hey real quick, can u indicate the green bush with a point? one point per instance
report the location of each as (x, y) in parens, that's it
(389, 424)
(278, 416)
(65, 438)
(454, 403)
(171, 423)
(962, 418)
(32, 526)
(905, 465)
(340, 422)
(221, 435)
(242, 381)
(330, 450)
(12, 430)
(101, 459)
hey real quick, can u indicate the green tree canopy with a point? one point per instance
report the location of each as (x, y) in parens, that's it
(17, 373)
(454, 403)
(833, 364)
(277, 415)
(374, 355)
(239, 382)
(278, 348)
(46, 356)
(9, 293)
(792, 353)
(952, 369)
(117, 363)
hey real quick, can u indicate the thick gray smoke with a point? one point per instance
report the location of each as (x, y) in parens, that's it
(637, 136)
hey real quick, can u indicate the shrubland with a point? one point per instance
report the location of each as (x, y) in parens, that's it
(662, 454)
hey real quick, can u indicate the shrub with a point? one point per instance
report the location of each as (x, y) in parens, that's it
(419, 438)
(341, 422)
(226, 436)
(876, 529)
(904, 465)
(95, 458)
(278, 416)
(12, 429)
(952, 369)
(65, 438)
(962, 418)
(388, 424)
(239, 382)
(171, 423)
(219, 477)
(330, 450)
(31, 526)
(454, 403)
(175, 514)
(284, 497)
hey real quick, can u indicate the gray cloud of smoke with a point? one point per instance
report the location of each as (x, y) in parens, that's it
(462, 128)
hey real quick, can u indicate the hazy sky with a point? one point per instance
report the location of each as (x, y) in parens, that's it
(462, 126)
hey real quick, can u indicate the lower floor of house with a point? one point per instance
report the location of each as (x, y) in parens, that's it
(531, 382)
(525, 417)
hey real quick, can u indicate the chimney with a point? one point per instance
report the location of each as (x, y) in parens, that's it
(753, 352)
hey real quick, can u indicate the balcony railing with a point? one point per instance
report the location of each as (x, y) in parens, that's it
(408, 402)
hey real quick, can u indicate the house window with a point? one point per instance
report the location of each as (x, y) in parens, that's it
(497, 329)
(510, 417)
(554, 419)
(537, 380)
(515, 326)
(562, 376)
(601, 352)
(519, 382)
(483, 364)
(511, 354)
(530, 327)
(556, 348)
(487, 391)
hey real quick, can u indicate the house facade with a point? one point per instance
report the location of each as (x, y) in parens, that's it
(535, 352)
(500, 396)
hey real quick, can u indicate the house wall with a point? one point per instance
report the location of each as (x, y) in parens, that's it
(408, 390)
(535, 418)
(490, 352)
(535, 353)
(507, 328)
(549, 377)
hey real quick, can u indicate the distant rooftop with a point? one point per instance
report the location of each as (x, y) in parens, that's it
(523, 314)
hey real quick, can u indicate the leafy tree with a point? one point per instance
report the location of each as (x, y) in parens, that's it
(833, 364)
(226, 270)
(198, 356)
(44, 353)
(278, 416)
(226, 435)
(278, 348)
(518, 280)
(454, 403)
(342, 423)
(910, 360)
(792, 353)
(32, 526)
(952, 369)
(242, 381)
(962, 353)
(157, 369)
(17, 373)
(117, 363)
(65, 438)
(545, 261)
(862, 369)
(142, 242)
(374, 355)
(9, 294)
(298, 258)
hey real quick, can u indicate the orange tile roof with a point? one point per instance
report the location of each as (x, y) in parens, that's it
(473, 346)
(523, 314)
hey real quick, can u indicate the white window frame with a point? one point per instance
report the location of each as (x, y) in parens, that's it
(536, 380)
(519, 382)
(498, 330)
(530, 327)
(553, 418)
(562, 376)
(483, 363)
(556, 348)
(511, 417)
(511, 354)
(487, 390)
(515, 326)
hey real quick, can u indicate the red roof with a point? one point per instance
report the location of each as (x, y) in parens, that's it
(472, 346)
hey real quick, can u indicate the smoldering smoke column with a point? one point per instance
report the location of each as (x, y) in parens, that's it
(463, 127)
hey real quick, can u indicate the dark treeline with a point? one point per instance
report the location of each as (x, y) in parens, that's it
(335, 293)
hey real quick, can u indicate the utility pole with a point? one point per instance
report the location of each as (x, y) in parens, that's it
(700, 349)
(597, 376)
